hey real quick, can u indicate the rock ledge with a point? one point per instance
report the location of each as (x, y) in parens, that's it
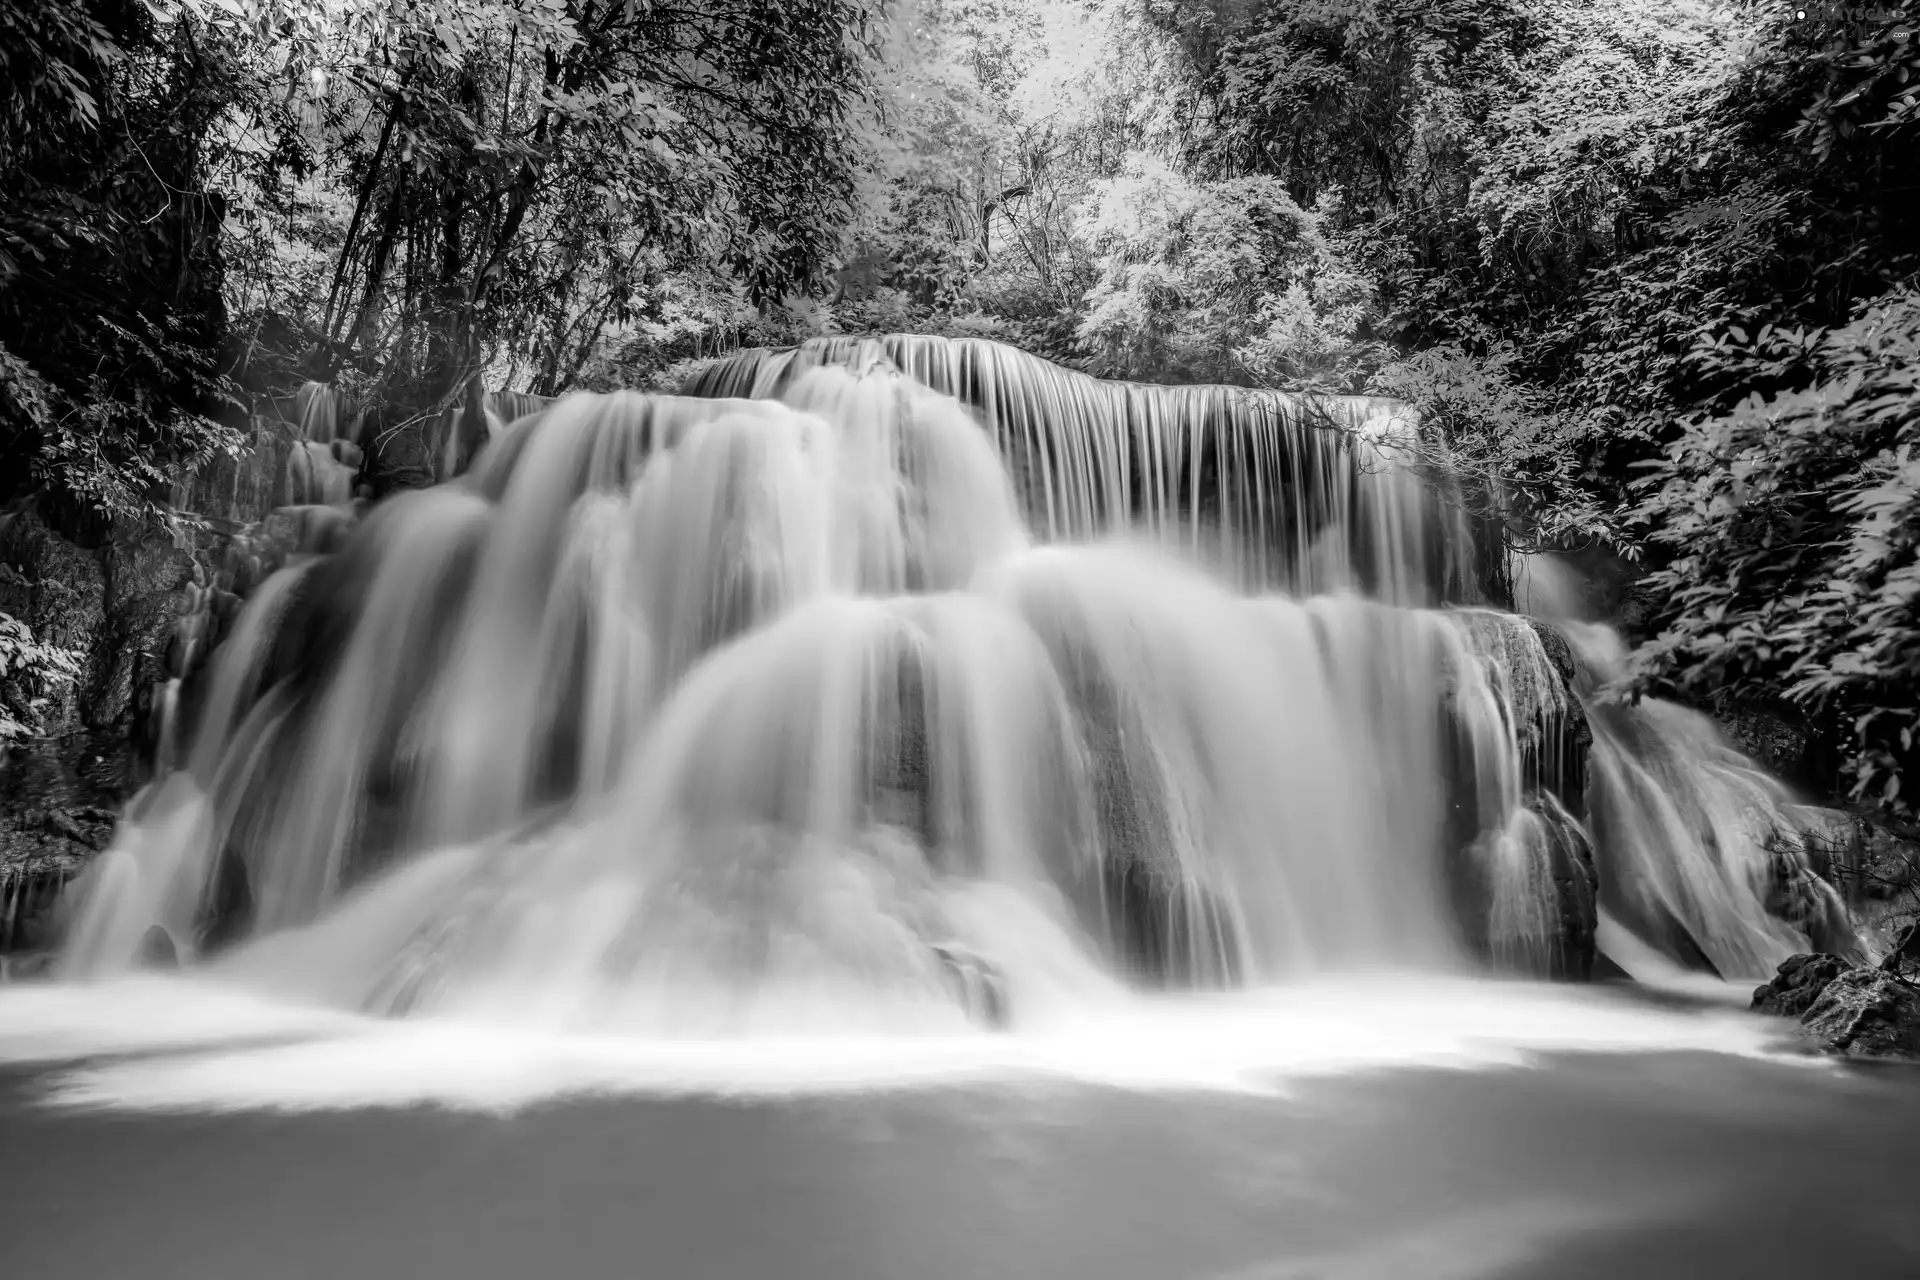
(1849, 1011)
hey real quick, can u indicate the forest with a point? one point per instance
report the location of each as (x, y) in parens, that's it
(1646, 268)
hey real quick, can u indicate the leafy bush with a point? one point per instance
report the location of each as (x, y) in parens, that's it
(1227, 281)
(1501, 444)
(1792, 530)
(29, 670)
(111, 323)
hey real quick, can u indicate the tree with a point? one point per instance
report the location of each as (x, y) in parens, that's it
(516, 171)
(111, 321)
(1226, 281)
(1791, 527)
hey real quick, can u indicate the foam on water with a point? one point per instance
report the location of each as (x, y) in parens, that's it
(738, 745)
(194, 1044)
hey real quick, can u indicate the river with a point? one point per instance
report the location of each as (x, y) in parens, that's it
(1440, 1130)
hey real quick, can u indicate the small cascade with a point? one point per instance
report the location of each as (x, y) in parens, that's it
(307, 514)
(893, 684)
(28, 895)
(1521, 741)
(1703, 853)
(1276, 491)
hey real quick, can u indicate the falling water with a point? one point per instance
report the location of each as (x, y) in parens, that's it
(1271, 490)
(895, 684)
(1704, 849)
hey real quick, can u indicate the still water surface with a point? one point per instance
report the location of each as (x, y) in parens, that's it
(296, 1151)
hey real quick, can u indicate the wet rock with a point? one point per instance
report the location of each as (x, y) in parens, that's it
(1546, 926)
(1904, 950)
(93, 835)
(1797, 984)
(1553, 934)
(27, 967)
(1636, 610)
(1159, 926)
(1865, 1013)
(157, 950)
(228, 916)
(1555, 735)
(29, 893)
(977, 984)
(1797, 895)
(1776, 736)
(1576, 885)
(1170, 932)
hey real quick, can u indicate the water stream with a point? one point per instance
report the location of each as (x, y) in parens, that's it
(920, 687)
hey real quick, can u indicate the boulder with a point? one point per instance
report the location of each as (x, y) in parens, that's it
(31, 966)
(1555, 736)
(1576, 885)
(1552, 932)
(1167, 931)
(1866, 1013)
(977, 984)
(1802, 898)
(1490, 830)
(157, 950)
(1797, 984)
(1775, 735)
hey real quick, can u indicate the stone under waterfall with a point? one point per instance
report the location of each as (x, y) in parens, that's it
(892, 684)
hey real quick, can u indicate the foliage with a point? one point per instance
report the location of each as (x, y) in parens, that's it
(1550, 225)
(993, 121)
(516, 168)
(682, 318)
(1793, 528)
(1226, 281)
(1498, 441)
(29, 671)
(111, 322)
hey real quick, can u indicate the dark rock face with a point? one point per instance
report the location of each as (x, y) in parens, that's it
(157, 950)
(1550, 729)
(1161, 927)
(1569, 951)
(1577, 894)
(1855, 1012)
(115, 605)
(27, 897)
(1797, 984)
(29, 966)
(1557, 739)
(977, 984)
(1781, 739)
(1168, 932)
(1799, 896)
(143, 609)
(1865, 1013)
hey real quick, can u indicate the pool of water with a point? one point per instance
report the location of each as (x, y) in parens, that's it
(1446, 1131)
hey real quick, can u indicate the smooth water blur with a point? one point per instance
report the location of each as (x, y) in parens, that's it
(1268, 489)
(873, 709)
(1701, 852)
(231, 1039)
(908, 810)
(1668, 1166)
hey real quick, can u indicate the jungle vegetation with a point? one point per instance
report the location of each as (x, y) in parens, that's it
(1647, 268)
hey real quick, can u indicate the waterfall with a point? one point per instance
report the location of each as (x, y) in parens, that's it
(904, 683)
(1273, 491)
(1705, 852)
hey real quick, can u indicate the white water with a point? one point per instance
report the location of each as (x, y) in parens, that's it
(692, 722)
(211, 1044)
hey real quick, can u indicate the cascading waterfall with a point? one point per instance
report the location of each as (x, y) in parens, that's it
(804, 701)
(1704, 847)
(1272, 491)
